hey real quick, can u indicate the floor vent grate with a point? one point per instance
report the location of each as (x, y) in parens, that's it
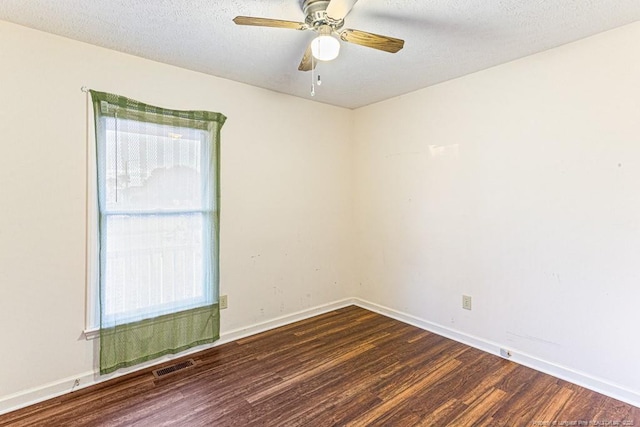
(168, 370)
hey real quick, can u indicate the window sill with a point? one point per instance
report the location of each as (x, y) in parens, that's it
(91, 334)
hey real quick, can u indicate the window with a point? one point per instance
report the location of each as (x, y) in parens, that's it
(158, 203)
(156, 221)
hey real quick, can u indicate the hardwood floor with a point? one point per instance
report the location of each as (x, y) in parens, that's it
(349, 367)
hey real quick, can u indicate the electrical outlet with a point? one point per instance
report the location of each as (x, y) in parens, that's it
(466, 302)
(224, 302)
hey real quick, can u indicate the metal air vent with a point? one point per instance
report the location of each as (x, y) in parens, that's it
(168, 370)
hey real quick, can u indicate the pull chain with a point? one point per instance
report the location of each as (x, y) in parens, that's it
(313, 77)
(314, 81)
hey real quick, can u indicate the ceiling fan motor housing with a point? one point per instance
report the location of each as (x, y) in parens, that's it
(315, 12)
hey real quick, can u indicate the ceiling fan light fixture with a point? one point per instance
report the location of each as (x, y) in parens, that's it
(325, 48)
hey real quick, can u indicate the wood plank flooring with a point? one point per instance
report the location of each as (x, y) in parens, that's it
(348, 367)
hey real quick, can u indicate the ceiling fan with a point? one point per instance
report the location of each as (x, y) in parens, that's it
(326, 17)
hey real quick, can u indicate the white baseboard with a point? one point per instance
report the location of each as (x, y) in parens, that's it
(66, 385)
(239, 333)
(38, 394)
(576, 377)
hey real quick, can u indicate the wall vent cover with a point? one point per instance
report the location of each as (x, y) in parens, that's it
(168, 370)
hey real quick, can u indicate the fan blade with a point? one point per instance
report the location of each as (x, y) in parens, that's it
(338, 9)
(376, 41)
(307, 62)
(267, 22)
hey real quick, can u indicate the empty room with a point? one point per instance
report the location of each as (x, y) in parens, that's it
(320, 212)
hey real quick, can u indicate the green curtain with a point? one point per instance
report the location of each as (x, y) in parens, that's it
(159, 210)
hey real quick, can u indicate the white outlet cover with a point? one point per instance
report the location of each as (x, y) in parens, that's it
(466, 302)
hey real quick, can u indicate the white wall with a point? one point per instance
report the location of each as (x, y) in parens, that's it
(519, 186)
(286, 198)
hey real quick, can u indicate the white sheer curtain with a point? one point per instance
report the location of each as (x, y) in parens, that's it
(156, 220)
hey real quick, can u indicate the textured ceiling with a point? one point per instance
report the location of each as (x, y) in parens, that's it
(444, 39)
